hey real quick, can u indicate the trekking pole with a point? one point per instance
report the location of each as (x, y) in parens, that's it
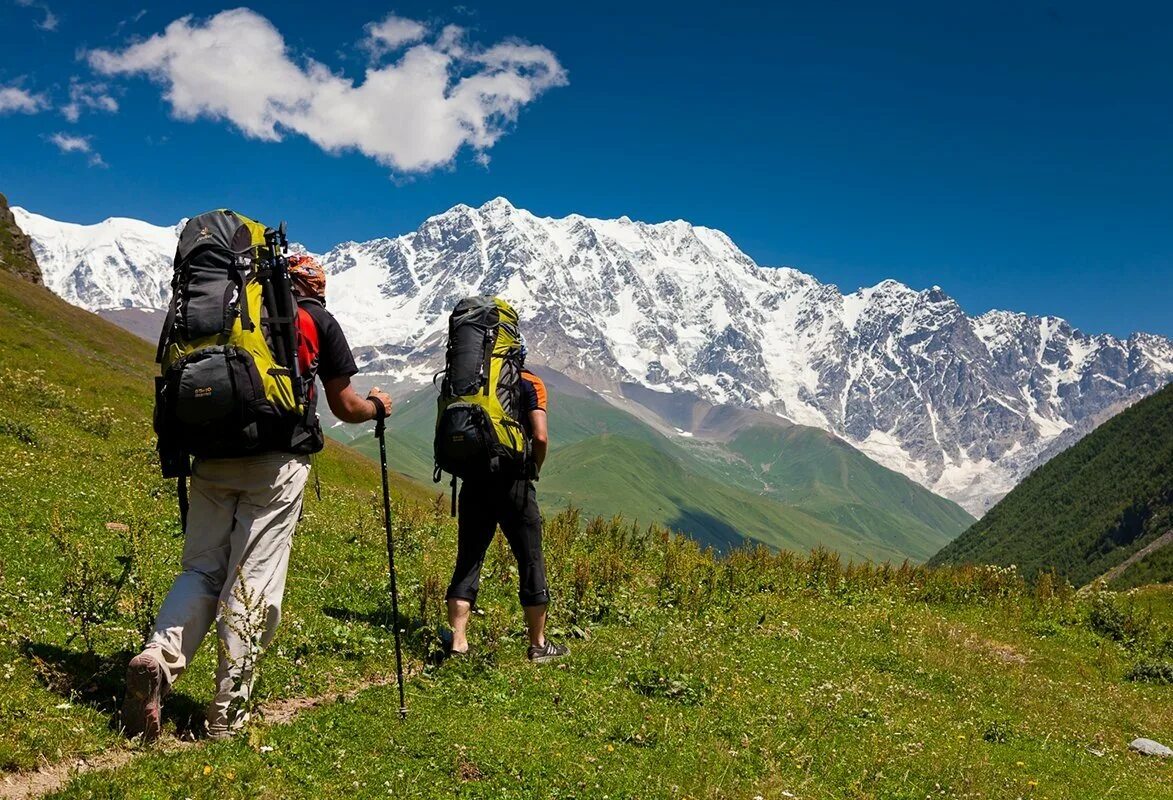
(379, 430)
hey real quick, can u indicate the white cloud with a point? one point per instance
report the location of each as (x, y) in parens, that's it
(14, 100)
(69, 143)
(391, 34)
(131, 20)
(412, 115)
(87, 97)
(49, 21)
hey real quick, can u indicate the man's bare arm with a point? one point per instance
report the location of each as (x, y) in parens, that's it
(348, 406)
(541, 438)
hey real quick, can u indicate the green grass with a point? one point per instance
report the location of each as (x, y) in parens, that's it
(691, 676)
(786, 486)
(748, 694)
(1090, 507)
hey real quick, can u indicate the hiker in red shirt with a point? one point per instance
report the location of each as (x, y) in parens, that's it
(239, 531)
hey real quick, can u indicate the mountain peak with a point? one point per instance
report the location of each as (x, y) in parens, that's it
(891, 286)
(116, 263)
(498, 204)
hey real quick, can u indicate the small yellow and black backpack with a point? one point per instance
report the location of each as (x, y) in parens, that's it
(478, 431)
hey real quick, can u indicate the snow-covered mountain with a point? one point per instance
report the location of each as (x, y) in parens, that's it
(118, 263)
(965, 405)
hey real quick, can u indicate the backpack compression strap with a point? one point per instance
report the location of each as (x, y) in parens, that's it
(181, 493)
(168, 324)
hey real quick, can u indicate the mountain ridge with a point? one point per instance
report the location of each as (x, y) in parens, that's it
(966, 406)
(1088, 509)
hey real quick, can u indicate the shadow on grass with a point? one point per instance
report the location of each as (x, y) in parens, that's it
(100, 683)
(420, 639)
(379, 618)
(708, 529)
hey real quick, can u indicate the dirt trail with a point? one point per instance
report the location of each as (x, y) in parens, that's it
(51, 777)
(1163, 540)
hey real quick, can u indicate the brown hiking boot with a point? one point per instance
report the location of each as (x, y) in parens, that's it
(142, 710)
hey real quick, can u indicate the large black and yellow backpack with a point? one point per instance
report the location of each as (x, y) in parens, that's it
(228, 350)
(478, 431)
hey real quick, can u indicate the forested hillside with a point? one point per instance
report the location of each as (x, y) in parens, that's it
(1089, 508)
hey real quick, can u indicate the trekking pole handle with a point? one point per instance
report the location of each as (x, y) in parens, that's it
(380, 414)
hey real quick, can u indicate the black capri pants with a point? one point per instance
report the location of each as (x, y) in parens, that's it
(511, 503)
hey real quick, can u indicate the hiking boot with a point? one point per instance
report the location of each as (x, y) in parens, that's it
(547, 651)
(219, 733)
(142, 711)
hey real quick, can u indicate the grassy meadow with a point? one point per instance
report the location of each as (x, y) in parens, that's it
(756, 673)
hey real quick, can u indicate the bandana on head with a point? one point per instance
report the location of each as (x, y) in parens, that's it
(309, 279)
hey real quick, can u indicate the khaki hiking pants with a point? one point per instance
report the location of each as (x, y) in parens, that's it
(235, 557)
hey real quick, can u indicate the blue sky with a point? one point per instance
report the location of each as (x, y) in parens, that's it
(1018, 155)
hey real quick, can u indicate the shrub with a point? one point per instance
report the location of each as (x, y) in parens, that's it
(1109, 619)
(19, 431)
(93, 593)
(99, 421)
(1151, 671)
(998, 732)
(677, 687)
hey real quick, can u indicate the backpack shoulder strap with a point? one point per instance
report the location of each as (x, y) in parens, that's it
(168, 323)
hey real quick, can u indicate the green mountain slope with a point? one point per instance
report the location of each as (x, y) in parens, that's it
(607, 474)
(1090, 507)
(1157, 567)
(831, 480)
(787, 486)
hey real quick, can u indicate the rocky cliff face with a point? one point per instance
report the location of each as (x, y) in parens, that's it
(965, 405)
(16, 251)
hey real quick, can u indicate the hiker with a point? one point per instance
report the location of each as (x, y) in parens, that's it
(498, 486)
(244, 505)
